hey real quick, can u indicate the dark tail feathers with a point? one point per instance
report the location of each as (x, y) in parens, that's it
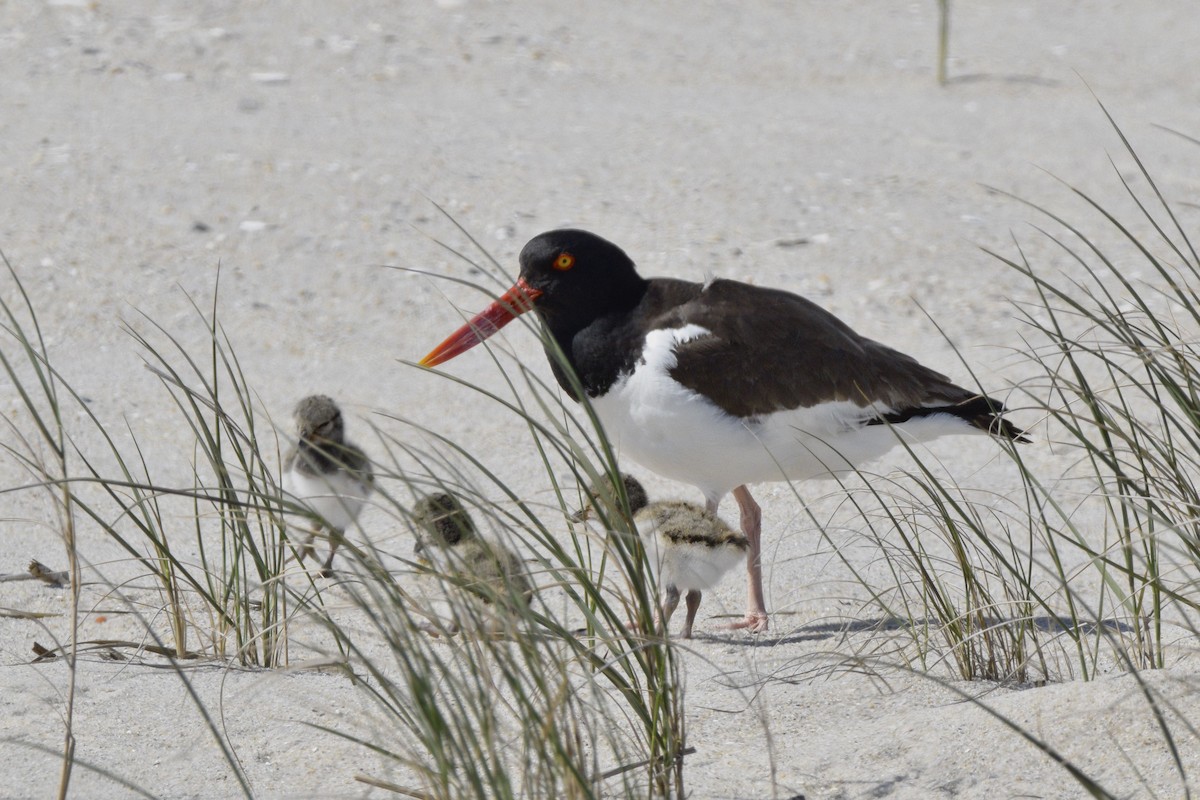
(982, 412)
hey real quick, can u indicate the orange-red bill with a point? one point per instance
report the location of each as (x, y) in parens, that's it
(509, 306)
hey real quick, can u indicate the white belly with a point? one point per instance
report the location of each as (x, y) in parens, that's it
(337, 499)
(682, 435)
(691, 566)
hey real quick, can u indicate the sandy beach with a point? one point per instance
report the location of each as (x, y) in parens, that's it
(302, 150)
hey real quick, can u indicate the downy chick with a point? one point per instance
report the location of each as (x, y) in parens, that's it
(325, 473)
(447, 538)
(690, 547)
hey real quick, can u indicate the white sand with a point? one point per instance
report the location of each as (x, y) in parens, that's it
(301, 145)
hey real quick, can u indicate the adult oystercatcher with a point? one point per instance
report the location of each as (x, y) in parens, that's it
(689, 547)
(325, 473)
(722, 384)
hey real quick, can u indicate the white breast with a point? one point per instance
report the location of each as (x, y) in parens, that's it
(336, 498)
(687, 547)
(689, 566)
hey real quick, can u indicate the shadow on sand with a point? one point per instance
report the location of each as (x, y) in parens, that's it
(822, 631)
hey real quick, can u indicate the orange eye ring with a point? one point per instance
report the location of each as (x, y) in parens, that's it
(564, 262)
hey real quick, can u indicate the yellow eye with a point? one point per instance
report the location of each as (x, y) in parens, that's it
(564, 262)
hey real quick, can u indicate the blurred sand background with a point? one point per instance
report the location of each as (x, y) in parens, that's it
(804, 145)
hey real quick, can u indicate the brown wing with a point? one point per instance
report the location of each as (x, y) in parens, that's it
(772, 350)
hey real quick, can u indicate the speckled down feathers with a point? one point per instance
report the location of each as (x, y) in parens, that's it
(691, 547)
(447, 536)
(681, 523)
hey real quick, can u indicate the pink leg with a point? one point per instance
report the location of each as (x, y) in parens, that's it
(756, 606)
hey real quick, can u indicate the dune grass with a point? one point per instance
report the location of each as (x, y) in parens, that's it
(229, 589)
(241, 581)
(1094, 569)
(39, 387)
(1117, 341)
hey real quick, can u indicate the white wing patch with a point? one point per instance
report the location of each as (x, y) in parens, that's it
(659, 351)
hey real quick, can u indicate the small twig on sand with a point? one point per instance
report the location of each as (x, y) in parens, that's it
(39, 571)
(44, 653)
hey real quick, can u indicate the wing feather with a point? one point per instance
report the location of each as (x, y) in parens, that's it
(802, 355)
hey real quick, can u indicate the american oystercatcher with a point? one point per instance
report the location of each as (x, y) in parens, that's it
(722, 384)
(689, 547)
(328, 475)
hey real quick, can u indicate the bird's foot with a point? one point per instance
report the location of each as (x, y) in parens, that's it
(754, 621)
